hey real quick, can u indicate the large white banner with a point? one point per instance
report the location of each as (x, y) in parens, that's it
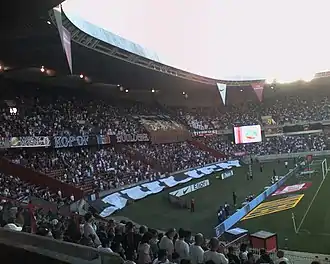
(191, 188)
(223, 91)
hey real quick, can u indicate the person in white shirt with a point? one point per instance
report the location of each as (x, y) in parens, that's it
(181, 247)
(243, 252)
(280, 255)
(196, 253)
(167, 242)
(105, 247)
(89, 230)
(144, 252)
(213, 255)
(162, 257)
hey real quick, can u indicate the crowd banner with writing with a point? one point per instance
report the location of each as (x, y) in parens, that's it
(73, 141)
(258, 89)
(240, 154)
(123, 138)
(205, 133)
(29, 142)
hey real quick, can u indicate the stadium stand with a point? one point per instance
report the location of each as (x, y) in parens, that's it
(61, 146)
(93, 164)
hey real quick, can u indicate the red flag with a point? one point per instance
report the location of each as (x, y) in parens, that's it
(258, 89)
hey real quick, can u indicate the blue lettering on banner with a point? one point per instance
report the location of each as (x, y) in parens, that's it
(70, 141)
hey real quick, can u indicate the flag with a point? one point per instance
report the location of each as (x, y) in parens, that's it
(65, 35)
(258, 89)
(223, 91)
(66, 43)
(58, 18)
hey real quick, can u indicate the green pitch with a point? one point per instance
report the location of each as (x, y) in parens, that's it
(156, 211)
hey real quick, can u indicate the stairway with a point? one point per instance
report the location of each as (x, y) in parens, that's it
(136, 155)
(204, 147)
(87, 186)
(39, 179)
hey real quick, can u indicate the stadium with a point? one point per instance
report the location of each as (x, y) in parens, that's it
(112, 152)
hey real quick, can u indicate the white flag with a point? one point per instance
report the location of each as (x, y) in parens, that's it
(223, 91)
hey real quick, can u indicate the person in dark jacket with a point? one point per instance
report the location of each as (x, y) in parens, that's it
(232, 258)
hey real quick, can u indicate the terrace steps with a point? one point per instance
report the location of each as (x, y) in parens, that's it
(206, 148)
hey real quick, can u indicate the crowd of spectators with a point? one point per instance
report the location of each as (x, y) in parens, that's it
(103, 168)
(291, 109)
(40, 113)
(271, 145)
(14, 188)
(141, 245)
(54, 116)
(175, 156)
(99, 169)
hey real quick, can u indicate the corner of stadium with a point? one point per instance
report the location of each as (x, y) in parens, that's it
(153, 147)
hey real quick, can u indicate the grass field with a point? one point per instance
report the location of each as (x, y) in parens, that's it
(314, 231)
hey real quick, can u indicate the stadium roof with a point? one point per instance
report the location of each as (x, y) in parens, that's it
(219, 38)
(18, 15)
(35, 42)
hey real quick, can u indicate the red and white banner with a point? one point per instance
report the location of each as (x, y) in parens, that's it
(258, 89)
(292, 188)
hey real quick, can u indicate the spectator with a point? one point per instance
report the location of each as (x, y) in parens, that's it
(250, 259)
(213, 255)
(181, 246)
(243, 253)
(196, 251)
(264, 257)
(166, 242)
(154, 242)
(89, 230)
(144, 251)
(130, 241)
(162, 257)
(281, 258)
(232, 258)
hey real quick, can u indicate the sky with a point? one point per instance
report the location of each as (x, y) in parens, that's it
(284, 40)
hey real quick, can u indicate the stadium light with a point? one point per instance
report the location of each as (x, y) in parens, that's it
(42, 69)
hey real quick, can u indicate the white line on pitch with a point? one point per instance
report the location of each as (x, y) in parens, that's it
(310, 205)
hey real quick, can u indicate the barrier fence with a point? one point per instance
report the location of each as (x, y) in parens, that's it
(236, 217)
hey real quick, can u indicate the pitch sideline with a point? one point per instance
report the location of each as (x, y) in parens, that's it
(311, 203)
